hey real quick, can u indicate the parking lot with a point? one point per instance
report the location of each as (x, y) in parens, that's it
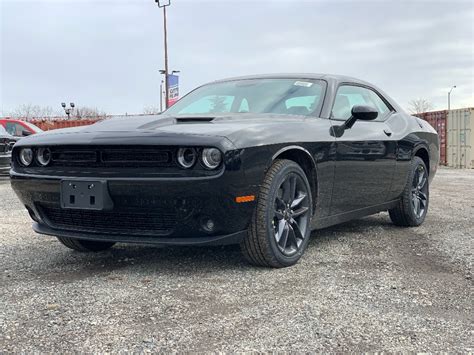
(365, 286)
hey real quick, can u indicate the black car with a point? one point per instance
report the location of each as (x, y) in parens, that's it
(259, 160)
(6, 144)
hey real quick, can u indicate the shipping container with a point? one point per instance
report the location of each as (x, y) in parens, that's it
(461, 138)
(47, 125)
(437, 119)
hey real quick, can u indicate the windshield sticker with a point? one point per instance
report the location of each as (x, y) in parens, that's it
(303, 83)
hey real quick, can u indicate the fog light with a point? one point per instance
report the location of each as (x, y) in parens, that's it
(208, 224)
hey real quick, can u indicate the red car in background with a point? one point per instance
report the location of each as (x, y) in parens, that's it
(19, 128)
(10, 132)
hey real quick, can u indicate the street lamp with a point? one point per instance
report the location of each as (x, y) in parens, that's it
(449, 97)
(68, 110)
(163, 4)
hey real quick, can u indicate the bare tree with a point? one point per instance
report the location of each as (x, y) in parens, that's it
(29, 111)
(151, 110)
(87, 112)
(419, 106)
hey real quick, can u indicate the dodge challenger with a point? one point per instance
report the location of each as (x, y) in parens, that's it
(257, 160)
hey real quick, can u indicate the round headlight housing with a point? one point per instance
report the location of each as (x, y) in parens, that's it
(26, 156)
(43, 156)
(187, 157)
(211, 158)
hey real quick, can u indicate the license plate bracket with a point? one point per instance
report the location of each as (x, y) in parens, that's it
(85, 195)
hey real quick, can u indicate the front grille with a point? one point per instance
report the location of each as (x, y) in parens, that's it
(113, 222)
(130, 157)
(6, 145)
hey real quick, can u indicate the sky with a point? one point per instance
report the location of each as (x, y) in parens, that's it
(107, 53)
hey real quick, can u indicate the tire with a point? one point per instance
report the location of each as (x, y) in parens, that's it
(281, 223)
(85, 245)
(413, 205)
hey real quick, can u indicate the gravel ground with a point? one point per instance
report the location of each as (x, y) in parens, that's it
(362, 286)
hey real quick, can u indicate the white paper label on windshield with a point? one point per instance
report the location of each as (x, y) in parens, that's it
(303, 83)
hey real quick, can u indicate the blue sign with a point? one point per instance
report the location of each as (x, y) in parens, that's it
(173, 89)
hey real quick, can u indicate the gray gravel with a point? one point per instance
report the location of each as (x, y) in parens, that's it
(362, 286)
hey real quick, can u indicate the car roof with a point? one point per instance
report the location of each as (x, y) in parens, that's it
(315, 76)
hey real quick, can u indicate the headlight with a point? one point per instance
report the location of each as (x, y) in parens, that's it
(186, 157)
(43, 156)
(26, 156)
(211, 157)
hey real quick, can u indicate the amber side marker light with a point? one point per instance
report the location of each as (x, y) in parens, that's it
(241, 199)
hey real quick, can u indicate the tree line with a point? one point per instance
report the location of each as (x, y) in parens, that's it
(30, 111)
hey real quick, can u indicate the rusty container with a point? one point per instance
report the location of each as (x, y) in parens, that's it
(438, 120)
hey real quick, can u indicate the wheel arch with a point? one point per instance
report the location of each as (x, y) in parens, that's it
(303, 158)
(423, 153)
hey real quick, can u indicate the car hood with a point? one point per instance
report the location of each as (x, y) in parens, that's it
(171, 130)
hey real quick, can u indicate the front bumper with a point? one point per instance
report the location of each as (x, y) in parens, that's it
(145, 210)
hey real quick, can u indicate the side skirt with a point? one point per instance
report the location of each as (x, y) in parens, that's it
(347, 216)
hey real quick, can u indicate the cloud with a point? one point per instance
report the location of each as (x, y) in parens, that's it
(107, 53)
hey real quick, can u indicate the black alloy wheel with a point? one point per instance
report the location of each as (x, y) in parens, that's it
(280, 227)
(291, 209)
(412, 208)
(419, 191)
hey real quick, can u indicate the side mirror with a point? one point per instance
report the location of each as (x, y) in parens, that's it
(25, 133)
(358, 112)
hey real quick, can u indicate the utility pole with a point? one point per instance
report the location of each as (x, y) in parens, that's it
(163, 4)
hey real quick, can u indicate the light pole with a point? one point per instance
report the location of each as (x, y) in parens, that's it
(163, 4)
(449, 97)
(68, 110)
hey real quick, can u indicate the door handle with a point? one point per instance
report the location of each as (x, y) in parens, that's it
(387, 132)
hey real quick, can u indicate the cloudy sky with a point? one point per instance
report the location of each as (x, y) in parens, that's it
(107, 53)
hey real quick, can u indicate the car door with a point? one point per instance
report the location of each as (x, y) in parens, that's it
(365, 154)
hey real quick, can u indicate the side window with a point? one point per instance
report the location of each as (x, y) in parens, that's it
(348, 96)
(210, 104)
(15, 129)
(379, 104)
(244, 106)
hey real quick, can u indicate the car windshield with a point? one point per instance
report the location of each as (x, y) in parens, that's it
(276, 96)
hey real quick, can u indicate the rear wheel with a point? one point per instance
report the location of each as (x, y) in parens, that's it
(85, 245)
(280, 227)
(413, 206)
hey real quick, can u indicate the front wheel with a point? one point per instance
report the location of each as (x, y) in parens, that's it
(281, 224)
(413, 205)
(85, 245)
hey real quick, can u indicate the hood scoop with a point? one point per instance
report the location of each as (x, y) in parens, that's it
(184, 120)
